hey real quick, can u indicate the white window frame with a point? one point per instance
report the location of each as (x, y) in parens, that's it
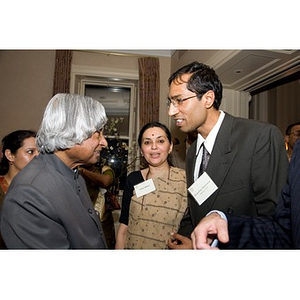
(91, 75)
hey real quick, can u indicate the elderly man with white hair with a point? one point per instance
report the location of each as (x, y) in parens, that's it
(47, 205)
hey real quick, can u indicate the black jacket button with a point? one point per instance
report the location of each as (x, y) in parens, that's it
(230, 211)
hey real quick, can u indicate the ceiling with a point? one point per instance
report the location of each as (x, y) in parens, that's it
(248, 70)
(242, 70)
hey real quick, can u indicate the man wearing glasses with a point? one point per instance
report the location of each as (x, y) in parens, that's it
(292, 134)
(236, 165)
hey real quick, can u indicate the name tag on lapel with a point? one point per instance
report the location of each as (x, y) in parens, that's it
(202, 188)
(144, 188)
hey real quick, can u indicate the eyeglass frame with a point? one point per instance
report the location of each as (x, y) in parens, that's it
(178, 102)
(297, 133)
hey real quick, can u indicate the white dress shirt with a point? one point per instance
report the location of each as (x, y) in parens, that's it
(208, 143)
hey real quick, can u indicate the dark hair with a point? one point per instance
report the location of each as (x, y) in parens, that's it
(151, 125)
(203, 79)
(289, 128)
(13, 141)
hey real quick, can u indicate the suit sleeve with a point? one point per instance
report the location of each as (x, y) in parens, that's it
(28, 224)
(267, 232)
(279, 231)
(268, 169)
(186, 226)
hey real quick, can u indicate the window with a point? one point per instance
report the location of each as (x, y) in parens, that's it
(118, 96)
(116, 100)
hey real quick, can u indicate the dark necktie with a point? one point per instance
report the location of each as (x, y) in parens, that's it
(204, 161)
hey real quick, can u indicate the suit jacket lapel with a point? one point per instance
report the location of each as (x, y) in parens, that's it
(222, 155)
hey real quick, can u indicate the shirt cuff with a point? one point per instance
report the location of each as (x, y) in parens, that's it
(215, 242)
(220, 213)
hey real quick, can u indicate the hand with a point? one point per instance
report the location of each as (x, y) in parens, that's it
(179, 242)
(209, 227)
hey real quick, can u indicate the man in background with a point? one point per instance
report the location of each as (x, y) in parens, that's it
(292, 134)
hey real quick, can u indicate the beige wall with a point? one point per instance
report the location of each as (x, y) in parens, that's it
(26, 81)
(100, 59)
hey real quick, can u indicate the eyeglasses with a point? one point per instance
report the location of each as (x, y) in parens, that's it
(296, 133)
(178, 102)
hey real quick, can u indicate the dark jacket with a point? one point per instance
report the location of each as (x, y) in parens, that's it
(48, 206)
(282, 230)
(249, 165)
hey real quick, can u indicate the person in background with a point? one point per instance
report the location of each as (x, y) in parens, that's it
(292, 134)
(191, 138)
(178, 155)
(47, 205)
(155, 198)
(244, 165)
(18, 149)
(98, 179)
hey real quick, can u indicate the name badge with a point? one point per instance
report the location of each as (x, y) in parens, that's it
(202, 188)
(144, 188)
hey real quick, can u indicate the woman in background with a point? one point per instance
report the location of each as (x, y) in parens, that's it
(98, 180)
(155, 198)
(18, 149)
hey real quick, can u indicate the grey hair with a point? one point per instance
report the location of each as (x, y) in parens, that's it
(69, 120)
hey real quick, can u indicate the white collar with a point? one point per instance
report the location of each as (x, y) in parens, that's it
(210, 140)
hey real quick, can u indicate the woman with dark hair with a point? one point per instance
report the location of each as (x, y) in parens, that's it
(155, 198)
(18, 149)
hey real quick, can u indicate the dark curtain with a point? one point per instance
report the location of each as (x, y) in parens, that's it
(148, 89)
(61, 82)
(278, 104)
